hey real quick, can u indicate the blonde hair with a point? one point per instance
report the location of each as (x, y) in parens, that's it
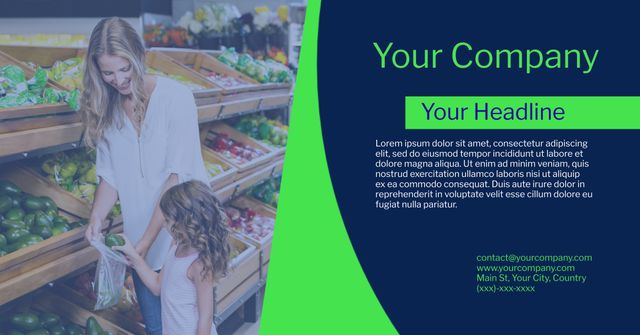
(100, 101)
(200, 223)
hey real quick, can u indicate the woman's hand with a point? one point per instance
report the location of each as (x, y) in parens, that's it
(93, 229)
(105, 198)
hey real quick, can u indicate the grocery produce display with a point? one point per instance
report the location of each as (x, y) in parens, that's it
(236, 152)
(75, 172)
(268, 71)
(17, 91)
(32, 322)
(226, 81)
(69, 177)
(67, 72)
(160, 35)
(84, 285)
(263, 129)
(26, 220)
(213, 169)
(62, 40)
(193, 86)
(247, 221)
(268, 192)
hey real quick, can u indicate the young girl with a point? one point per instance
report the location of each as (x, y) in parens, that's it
(198, 256)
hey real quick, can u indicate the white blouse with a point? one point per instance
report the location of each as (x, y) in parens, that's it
(138, 167)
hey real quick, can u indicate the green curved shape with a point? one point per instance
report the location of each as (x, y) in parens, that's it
(316, 284)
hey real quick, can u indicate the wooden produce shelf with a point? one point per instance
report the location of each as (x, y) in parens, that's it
(30, 180)
(211, 92)
(239, 104)
(32, 280)
(28, 269)
(206, 64)
(45, 57)
(125, 321)
(244, 168)
(31, 110)
(46, 121)
(272, 101)
(29, 140)
(46, 301)
(233, 298)
(265, 86)
(264, 244)
(74, 313)
(242, 268)
(238, 187)
(222, 179)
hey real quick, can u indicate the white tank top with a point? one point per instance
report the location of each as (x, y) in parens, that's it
(178, 296)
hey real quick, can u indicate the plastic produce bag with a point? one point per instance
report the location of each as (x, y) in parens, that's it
(38, 81)
(12, 101)
(229, 56)
(72, 99)
(13, 79)
(51, 96)
(279, 72)
(110, 273)
(260, 71)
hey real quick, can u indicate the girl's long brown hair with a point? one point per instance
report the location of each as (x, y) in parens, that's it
(199, 223)
(100, 101)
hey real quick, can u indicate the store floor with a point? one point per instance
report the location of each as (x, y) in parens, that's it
(235, 324)
(248, 329)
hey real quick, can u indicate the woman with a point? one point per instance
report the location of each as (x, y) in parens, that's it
(145, 130)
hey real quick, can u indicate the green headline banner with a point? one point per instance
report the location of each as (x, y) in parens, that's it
(431, 112)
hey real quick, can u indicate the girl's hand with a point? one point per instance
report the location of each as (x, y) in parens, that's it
(142, 248)
(128, 250)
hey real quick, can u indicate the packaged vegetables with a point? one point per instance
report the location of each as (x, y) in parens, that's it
(193, 86)
(67, 72)
(213, 169)
(267, 71)
(247, 221)
(263, 129)
(236, 152)
(226, 81)
(16, 91)
(267, 192)
(26, 219)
